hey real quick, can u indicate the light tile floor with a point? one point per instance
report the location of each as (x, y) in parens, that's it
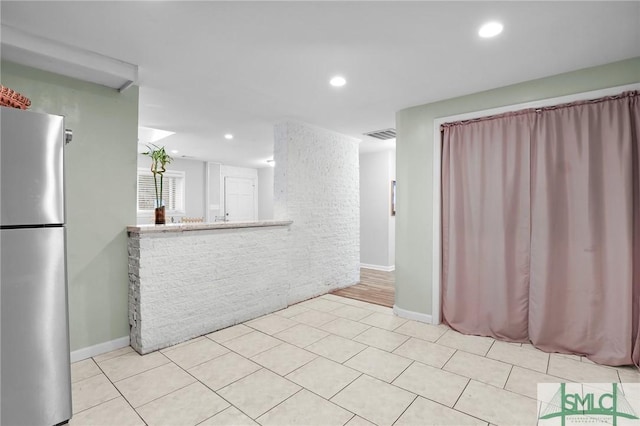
(326, 361)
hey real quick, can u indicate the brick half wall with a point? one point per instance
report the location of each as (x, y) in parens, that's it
(197, 282)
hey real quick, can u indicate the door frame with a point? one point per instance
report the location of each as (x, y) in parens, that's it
(207, 190)
(436, 259)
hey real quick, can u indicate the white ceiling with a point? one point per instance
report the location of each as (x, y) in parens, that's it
(210, 68)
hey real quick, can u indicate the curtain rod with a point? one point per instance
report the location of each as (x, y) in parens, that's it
(628, 94)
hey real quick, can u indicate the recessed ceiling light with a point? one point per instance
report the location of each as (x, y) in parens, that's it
(174, 151)
(490, 29)
(338, 81)
(228, 136)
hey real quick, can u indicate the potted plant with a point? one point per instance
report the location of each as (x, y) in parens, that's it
(159, 159)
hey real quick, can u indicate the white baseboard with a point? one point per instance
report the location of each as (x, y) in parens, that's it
(416, 316)
(378, 267)
(99, 349)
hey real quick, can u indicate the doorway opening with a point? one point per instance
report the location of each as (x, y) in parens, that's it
(376, 287)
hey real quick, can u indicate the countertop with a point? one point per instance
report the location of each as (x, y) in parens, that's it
(188, 227)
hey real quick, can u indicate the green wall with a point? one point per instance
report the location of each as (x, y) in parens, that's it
(414, 151)
(100, 194)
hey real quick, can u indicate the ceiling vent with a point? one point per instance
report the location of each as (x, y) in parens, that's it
(383, 135)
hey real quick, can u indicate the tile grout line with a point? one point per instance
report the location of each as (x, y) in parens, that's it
(352, 417)
(479, 418)
(392, 350)
(118, 390)
(162, 396)
(211, 417)
(319, 310)
(350, 338)
(210, 359)
(388, 351)
(279, 403)
(402, 372)
(457, 410)
(269, 334)
(182, 344)
(453, 406)
(113, 357)
(99, 404)
(546, 371)
(405, 410)
(216, 393)
(285, 375)
(343, 388)
(145, 370)
(508, 377)
(489, 348)
(506, 390)
(460, 396)
(442, 336)
(395, 328)
(352, 356)
(455, 351)
(405, 341)
(88, 377)
(257, 353)
(234, 325)
(353, 338)
(528, 369)
(303, 365)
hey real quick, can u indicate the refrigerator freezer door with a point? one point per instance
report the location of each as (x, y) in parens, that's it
(31, 173)
(36, 384)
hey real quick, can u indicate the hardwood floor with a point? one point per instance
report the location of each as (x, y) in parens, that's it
(374, 287)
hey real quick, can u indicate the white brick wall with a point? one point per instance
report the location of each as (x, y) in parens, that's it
(316, 184)
(201, 281)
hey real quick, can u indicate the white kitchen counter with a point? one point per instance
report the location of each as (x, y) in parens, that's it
(186, 227)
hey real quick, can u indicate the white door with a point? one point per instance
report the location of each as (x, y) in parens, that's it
(239, 198)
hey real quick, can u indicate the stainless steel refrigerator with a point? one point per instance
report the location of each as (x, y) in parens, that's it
(34, 356)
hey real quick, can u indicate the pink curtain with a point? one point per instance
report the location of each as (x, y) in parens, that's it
(582, 221)
(634, 104)
(545, 246)
(485, 227)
